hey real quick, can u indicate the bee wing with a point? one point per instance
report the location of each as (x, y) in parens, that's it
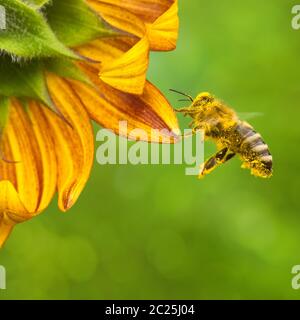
(249, 115)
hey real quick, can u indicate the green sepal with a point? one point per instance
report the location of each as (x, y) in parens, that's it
(4, 112)
(67, 69)
(24, 81)
(27, 34)
(75, 23)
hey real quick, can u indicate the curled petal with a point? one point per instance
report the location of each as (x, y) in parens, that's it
(124, 62)
(159, 16)
(109, 107)
(12, 210)
(163, 32)
(147, 10)
(128, 73)
(11, 207)
(125, 69)
(108, 49)
(74, 145)
(6, 227)
(119, 18)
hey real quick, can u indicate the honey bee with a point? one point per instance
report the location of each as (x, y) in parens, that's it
(231, 135)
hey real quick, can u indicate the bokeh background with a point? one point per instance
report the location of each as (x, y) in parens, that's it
(144, 232)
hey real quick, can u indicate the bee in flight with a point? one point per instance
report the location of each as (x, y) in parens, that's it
(232, 135)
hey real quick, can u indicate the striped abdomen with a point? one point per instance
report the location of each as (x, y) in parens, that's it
(254, 151)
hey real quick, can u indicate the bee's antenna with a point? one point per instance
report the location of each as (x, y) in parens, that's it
(183, 94)
(184, 100)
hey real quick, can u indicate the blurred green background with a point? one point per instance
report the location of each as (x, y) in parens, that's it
(141, 232)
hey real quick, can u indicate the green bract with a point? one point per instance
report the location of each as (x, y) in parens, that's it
(75, 23)
(27, 33)
(66, 69)
(23, 80)
(38, 38)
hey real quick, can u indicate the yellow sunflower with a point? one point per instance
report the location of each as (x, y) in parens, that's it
(63, 64)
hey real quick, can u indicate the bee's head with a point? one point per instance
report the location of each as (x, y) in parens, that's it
(203, 99)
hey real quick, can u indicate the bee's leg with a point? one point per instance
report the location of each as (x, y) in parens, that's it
(189, 110)
(229, 156)
(194, 130)
(183, 110)
(192, 124)
(213, 162)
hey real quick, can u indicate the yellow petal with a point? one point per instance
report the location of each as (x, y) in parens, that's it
(107, 49)
(125, 72)
(155, 22)
(128, 73)
(6, 227)
(118, 17)
(19, 145)
(163, 32)
(74, 144)
(109, 106)
(47, 158)
(147, 10)
(28, 170)
(30, 160)
(12, 210)
(160, 17)
(124, 62)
